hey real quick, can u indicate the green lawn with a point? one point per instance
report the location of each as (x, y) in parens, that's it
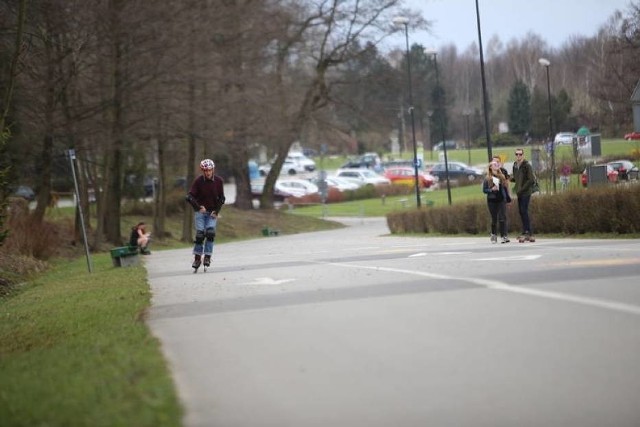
(610, 147)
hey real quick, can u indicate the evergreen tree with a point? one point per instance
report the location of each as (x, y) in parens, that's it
(519, 106)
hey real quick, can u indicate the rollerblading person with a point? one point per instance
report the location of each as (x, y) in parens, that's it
(206, 197)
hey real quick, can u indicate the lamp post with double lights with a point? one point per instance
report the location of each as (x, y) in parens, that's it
(404, 21)
(546, 63)
(440, 107)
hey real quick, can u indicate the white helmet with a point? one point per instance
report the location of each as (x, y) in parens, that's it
(207, 164)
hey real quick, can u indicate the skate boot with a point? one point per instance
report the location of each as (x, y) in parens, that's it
(196, 263)
(504, 239)
(525, 237)
(207, 261)
(494, 238)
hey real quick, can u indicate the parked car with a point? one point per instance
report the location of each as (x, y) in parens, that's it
(612, 176)
(367, 161)
(296, 187)
(339, 184)
(627, 171)
(451, 145)
(405, 175)
(257, 188)
(25, 192)
(457, 171)
(362, 177)
(565, 138)
(632, 135)
(289, 167)
(299, 158)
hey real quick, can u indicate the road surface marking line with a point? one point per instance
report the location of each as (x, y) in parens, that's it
(500, 286)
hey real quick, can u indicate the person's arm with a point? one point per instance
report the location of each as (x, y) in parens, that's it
(192, 196)
(220, 198)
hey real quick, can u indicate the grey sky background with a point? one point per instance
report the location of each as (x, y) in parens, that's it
(454, 21)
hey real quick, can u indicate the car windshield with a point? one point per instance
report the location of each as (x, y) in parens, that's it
(369, 174)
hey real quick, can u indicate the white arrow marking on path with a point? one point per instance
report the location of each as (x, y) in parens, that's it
(268, 281)
(511, 258)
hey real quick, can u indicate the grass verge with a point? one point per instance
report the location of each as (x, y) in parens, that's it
(75, 351)
(74, 347)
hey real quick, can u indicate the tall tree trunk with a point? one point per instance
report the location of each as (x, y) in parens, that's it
(113, 195)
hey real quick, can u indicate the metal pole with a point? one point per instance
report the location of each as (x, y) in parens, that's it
(467, 133)
(553, 148)
(413, 124)
(442, 132)
(72, 157)
(485, 101)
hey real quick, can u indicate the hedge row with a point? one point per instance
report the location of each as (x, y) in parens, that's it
(604, 209)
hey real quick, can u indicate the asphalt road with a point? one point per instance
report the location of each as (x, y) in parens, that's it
(354, 327)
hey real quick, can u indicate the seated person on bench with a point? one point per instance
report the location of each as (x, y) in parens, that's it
(140, 238)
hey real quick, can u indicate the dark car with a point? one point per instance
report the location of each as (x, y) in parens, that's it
(367, 160)
(627, 171)
(458, 171)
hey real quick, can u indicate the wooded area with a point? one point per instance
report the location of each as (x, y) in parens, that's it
(141, 90)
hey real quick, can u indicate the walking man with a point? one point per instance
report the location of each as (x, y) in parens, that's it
(524, 179)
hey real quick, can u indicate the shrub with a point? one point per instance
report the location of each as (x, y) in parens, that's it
(603, 209)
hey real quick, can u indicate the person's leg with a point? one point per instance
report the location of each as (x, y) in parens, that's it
(502, 221)
(210, 235)
(199, 224)
(523, 206)
(493, 211)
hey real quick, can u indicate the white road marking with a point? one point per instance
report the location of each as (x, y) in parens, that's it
(511, 258)
(268, 281)
(500, 286)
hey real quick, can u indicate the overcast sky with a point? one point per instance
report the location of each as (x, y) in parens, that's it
(454, 21)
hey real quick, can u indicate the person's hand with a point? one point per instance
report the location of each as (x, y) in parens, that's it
(214, 214)
(202, 209)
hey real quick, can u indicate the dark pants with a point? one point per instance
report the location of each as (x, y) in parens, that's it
(523, 209)
(498, 211)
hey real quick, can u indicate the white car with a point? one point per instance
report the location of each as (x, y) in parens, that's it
(288, 167)
(296, 187)
(564, 138)
(302, 160)
(339, 184)
(362, 177)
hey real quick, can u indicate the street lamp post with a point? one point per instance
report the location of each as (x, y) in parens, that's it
(546, 63)
(467, 131)
(440, 107)
(485, 100)
(404, 21)
(429, 114)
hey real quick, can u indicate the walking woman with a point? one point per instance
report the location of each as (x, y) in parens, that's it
(496, 186)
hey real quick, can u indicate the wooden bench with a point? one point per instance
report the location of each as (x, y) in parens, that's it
(124, 256)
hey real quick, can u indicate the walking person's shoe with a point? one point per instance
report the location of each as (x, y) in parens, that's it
(196, 262)
(494, 238)
(504, 239)
(207, 260)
